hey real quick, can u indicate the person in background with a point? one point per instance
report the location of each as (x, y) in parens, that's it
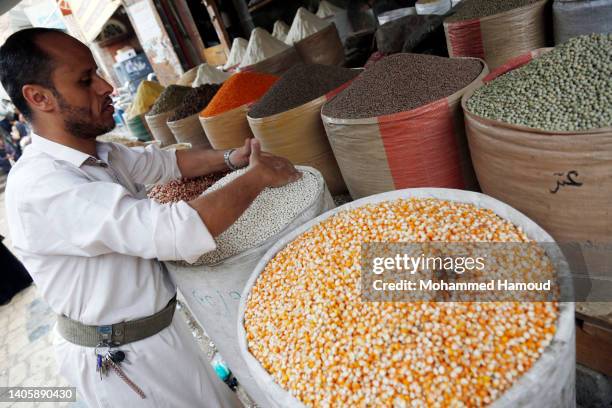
(13, 276)
(11, 138)
(5, 158)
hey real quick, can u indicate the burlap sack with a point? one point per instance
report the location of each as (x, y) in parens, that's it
(298, 135)
(277, 64)
(499, 37)
(559, 179)
(550, 382)
(423, 147)
(189, 130)
(323, 47)
(228, 129)
(159, 128)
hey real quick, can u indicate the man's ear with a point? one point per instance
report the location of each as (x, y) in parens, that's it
(39, 97)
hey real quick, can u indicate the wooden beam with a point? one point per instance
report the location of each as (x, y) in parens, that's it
(215, 17)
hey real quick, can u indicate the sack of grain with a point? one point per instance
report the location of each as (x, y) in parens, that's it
(267, 54)
(317, 41)
(161, 111)
(213, 291)
(496, 30)
(188, 77)
(209, 75)
(572, 18)
(224, 119)
(307, 336)
(185, 123)
(400, 124)
(236, 55)
(543, 152)
(280, 30)
(287, 119)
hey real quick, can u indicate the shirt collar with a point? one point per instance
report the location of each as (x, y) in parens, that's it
(65, 153)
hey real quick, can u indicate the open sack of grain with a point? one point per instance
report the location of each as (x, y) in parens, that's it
(496, 30)
(399, 124)
(572, 18)
(208, 74)
(225, 118)
(540, 135)
(146, 95)
(310, 339)
(287, 119)
(164, 107)
(213, 290)
(184, 121)
(239, 46)
(267, 54)
(316, 40)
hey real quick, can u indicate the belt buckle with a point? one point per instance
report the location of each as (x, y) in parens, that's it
(105, 333)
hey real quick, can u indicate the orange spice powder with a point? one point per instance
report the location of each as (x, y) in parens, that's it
(239, 89)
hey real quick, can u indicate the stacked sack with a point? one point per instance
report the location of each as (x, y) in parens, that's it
(267, 54)
(184, 121)
(310, 338)
(316, 40)
(540, 134)
(212, 286)
(400, 124)
(287, 119)
(146, 95)
(164, 107)
(224, 120)
(496, 30)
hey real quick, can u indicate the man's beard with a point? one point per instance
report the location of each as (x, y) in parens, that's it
(76, 123)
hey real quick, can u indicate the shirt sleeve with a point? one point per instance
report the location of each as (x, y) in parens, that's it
(148, 165)
(82, 218)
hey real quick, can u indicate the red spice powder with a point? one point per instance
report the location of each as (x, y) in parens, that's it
(239, 89)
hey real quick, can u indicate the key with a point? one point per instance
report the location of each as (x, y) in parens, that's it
(99, 364)
(115, 367)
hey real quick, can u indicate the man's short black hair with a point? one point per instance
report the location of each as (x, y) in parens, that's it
(23, 62)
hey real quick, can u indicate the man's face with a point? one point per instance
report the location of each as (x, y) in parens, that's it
(82, 95)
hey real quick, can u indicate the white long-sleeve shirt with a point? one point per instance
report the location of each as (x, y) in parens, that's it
(89, 236)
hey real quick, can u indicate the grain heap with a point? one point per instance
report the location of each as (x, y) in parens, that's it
(471, 9)
(170, 98)
(566, 89)
(209, 75)
(306, 324)
(261, 46)
(300, 84)
(280, 30)
(146, 95)
(268, 215)
(238, 90)
(402, 82)
(304, 25)
(184, 189)
(196, 100)
(239, 47)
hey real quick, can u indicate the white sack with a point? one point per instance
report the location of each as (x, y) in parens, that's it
(549, 383)
(237, 52)
(261, 46)
(280, 30)
(304, 25)
(209, 75)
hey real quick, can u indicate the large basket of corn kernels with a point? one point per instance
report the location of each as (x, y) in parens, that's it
(310, 340)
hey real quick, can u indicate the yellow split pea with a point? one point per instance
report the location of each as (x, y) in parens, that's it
(308, 327)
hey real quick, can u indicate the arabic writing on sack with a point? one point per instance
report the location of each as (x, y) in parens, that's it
(566, 179)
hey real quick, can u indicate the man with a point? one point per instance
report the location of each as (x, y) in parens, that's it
(93, 242)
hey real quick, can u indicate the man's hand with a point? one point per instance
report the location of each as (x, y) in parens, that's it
(240, 156)
(274, 171)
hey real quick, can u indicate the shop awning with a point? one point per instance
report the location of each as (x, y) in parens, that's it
(92, 15)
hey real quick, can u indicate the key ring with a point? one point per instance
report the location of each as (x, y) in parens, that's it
(102, 345)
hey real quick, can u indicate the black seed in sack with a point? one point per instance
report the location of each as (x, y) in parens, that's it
(299, 85)
(402, 82)
(195, 101)
(471, 9)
